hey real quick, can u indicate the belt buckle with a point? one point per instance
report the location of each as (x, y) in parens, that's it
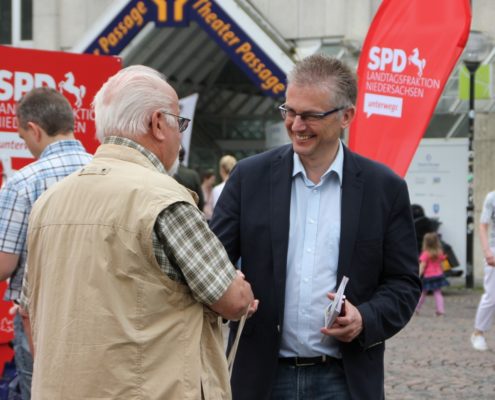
(307, 364)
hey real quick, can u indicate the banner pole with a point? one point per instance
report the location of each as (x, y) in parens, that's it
(472, 66)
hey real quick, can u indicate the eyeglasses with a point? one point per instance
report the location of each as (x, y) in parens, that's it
(183, 122)
(306, 116)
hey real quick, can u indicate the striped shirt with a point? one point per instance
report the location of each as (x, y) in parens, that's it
(17, 197)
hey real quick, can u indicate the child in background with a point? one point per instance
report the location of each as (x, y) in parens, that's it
(430, 268)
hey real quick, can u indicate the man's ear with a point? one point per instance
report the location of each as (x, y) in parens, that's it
(36, 131)
(158, 128)
(347, 117)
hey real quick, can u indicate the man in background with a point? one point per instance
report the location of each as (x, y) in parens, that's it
(226, 164)
(486, 307)
(46, 123)
(189, 178)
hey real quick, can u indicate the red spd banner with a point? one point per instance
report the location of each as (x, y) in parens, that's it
(77, 76)
(407, 57)
(6, 321)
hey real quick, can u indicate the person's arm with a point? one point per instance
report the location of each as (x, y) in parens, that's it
(399, 287)
(22, 308)
(14, 214)
(225, 222)
(203, 262)
(422, 266)
(487, 252)
(8, 264)
(485, 218)
(26, 324)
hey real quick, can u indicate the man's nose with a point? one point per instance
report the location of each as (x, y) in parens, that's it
(298, 124)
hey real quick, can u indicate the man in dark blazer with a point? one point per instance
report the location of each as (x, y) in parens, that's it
(302, 216)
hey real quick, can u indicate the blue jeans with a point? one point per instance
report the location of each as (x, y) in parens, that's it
(23, 361)
(313, 382)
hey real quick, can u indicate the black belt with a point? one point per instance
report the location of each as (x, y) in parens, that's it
(307, 361)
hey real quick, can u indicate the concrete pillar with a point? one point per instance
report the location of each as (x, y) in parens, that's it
(46, 22)
(59, 24)
(315, 19)
(483, 16)
(77, 17)
(359, 16)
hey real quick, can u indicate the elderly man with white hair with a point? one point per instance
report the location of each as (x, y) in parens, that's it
(125, 281)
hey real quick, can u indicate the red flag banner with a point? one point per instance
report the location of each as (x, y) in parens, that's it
(77, 76)
(407, 57)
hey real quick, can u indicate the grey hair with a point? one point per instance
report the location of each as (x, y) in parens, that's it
(331, 74)
(46, 108)
(124, 104)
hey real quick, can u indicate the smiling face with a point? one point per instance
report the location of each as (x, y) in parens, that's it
(314, 141)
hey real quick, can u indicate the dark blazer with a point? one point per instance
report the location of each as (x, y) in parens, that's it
(377, 252)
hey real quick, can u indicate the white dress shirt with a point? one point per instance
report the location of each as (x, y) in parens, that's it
(312, 259)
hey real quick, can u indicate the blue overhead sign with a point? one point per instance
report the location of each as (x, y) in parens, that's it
(247, 54)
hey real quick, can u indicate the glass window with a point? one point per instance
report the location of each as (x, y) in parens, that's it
(27, 20)
(5, 21)
(16, 21)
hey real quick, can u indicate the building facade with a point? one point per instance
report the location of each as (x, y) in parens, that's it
(233, 114)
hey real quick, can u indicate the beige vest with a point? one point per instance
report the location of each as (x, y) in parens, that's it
(107, 322)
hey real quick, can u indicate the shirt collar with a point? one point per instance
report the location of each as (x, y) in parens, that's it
(122, 141)
(58, 146)
(337, 166)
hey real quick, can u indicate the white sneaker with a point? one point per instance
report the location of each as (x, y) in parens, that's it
(478, 342)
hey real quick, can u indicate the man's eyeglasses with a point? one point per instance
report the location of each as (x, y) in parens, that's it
(306, 116)
(183, 122)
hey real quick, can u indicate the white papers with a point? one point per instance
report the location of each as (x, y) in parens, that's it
(333, 310)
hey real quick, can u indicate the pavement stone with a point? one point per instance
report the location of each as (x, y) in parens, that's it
(432, 357)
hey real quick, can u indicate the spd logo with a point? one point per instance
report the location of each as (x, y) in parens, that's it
(69, 86)
(14, 84)
(397, 60)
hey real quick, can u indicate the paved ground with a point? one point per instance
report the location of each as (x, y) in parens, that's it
(432, 357)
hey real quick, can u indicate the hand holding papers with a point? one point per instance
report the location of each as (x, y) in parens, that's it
(336, 307)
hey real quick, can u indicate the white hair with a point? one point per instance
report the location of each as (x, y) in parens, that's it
(124, 104)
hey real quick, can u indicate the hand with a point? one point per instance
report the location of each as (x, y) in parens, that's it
(347, 327)
(490, 260)
(14, 309)
(253, 307)
(236, 301)
(23, 312)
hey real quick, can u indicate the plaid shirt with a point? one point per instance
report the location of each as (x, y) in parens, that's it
(17, 197)
(185, 248)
